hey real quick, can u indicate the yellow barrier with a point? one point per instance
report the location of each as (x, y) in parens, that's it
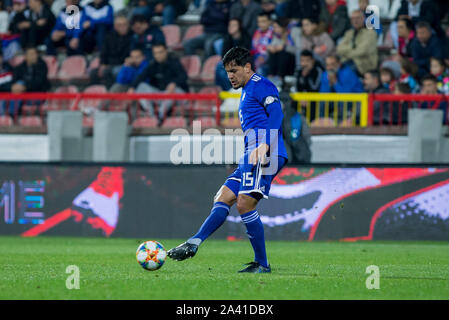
(357, 99)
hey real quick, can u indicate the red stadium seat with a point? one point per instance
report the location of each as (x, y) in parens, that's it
(191, 32)
(30, 108)
(192, 65)
(206, 106)
(54, 105)
(208, 70)
(89, 105)
(207, 122)
(52, 66)
(145, 122)
(172, 34)
(73, 68)
(30, 121)
(174, 122)
(5, 121)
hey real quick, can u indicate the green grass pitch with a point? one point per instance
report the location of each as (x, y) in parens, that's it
(35, 268)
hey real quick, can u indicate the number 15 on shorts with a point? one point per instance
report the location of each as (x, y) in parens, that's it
(248, 179)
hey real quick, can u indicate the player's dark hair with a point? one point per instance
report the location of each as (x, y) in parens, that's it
(408, 23)
(424, 24)
(283, 22)
(307, 53)
(403, 87)
(138, 18)
(440, 61)
(389, 71)
(375, 74)
(238, 55)
(429, 77)
(238, 20)
(159, 44)
(264, 14)
(335, 57)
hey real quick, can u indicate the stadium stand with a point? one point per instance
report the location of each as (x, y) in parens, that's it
(69, 74)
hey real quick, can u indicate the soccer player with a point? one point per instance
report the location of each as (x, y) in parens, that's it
(260, 114)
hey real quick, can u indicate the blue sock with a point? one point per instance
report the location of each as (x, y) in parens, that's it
(217, 217)
(254, 229)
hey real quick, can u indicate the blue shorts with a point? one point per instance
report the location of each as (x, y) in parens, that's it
(254, 180)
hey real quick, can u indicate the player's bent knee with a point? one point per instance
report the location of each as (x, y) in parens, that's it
(225, 195)
(245, 203)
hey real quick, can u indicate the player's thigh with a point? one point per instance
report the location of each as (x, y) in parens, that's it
(226, 195)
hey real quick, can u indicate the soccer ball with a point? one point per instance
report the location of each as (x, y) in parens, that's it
(151, 255)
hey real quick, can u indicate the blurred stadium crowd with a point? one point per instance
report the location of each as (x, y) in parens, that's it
(172, 46)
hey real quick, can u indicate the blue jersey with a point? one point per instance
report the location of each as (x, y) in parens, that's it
(260, 113)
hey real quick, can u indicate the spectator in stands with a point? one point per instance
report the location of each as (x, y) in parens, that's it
(339, 78)
(429, 85)
(408, 74)
(282, 50)
(19, 21)
(247, 12)
(37, 25)
(113, 53)
(406, 34)
(373, 84)
(6, 76)
(261, 39)
(99, 20)
(274, 8)
(145, 35)
(68, 31)
(215, 20)
(164, 74)
(401, 116)
(134, 65)
(418, 11)
(387, 8)
(402, 88)
(30, 76)
(310, 73)
(236, 37)
(315, 39)
(438, 70)
(387, 78)
(168, 9)
(424, 46)
(139, 7)
(334, 17)
(356, 48)
(300, 9)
